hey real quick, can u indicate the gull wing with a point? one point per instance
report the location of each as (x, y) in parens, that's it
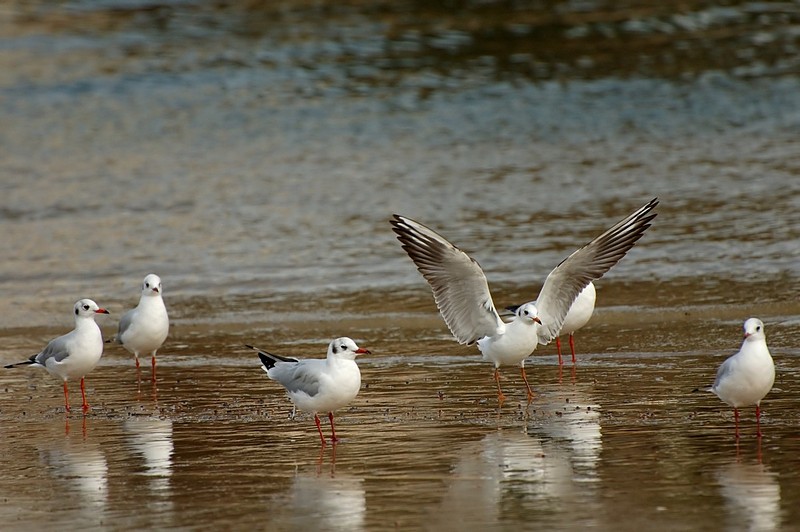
(295, 375)
(590, 262)
(57, 350)
(459, 285)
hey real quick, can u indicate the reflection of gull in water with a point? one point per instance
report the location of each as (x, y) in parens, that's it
(327, 502)
(151, 439)
(550, 469)
(81, 467)
(577, 424)
(752, 495)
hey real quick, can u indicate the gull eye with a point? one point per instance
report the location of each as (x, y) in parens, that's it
(525, 312)
(344, 347)
(86, 307)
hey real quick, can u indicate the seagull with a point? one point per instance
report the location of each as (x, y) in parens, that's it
(317, 385)
(461, 291)
(746, 377)
(579, 314)
(74, 354)
(142, 330)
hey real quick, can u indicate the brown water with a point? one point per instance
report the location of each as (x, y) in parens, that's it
(252, 154)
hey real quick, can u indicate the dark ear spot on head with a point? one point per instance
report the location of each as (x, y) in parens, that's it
(335, 349)
(76, 311)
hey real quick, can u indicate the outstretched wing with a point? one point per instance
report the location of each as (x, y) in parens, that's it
(590, 262)
(459, 285)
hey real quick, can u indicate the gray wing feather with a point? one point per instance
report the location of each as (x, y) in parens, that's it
(724, 369)
(296, 377)
(292, 373)
(459, 285)
(587, 264)
(124, 324)
(56, 349)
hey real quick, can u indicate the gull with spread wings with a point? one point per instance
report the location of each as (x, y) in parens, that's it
(462, 295)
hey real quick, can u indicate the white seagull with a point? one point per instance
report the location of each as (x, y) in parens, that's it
(317, 385)
(74, 354)
(579, 315)
(462, 293)
(746, 377)
(142, 330)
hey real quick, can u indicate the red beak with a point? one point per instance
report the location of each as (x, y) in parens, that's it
(101, 311)
(537, 320)
(361, 351)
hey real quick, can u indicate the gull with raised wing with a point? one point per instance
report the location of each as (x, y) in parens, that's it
(318, 385)
(142, 330)
(745, 378)
(462, 295)
(74, 354)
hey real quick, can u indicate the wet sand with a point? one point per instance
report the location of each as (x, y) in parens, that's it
(424, 446)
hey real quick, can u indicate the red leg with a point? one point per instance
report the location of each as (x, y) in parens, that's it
(500, 397)
(319, 428)
(137, 361)
(736, 420)
(334, 439)
(153, 362)
(758, 421)
(528, 386)
(83, 395)
(572, 347)
(66, 396)
(558, 347)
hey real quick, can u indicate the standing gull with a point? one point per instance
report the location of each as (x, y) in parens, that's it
(579, 315)
(317, 385)
(462, 295)
(74, 354)
(142, 330)
(746, 377)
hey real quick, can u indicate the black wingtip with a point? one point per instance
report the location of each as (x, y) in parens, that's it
(268, 362)
(26, 363)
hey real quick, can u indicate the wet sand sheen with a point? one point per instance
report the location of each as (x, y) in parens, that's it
(424, 445)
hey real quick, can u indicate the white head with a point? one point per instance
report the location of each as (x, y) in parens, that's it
(345, 348)
(528, 313)
(151, 285)
(754, 329)
(86, 308)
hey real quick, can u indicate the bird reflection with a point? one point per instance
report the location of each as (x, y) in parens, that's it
(327, 501)
(81, 468)
(549, 465)
(752, 496)
(151, 439)
(575, 424)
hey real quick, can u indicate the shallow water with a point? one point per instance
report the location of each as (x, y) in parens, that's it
(251, 155)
